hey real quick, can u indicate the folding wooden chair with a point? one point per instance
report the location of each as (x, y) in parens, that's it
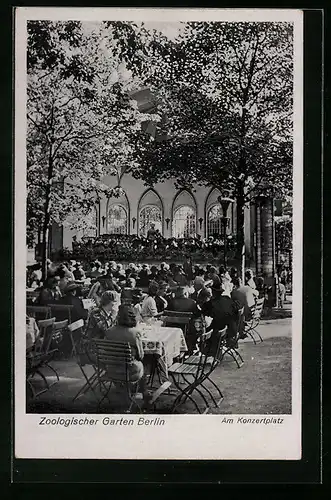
(191, 376)
(83, 359)
(61, 311)
(181, 320)
(38, 312)
(182, 314)
(75, 332)
(233, 350)
(178, 320)
(113, 366)
(60, 332)
(40, 356)
(254, 321)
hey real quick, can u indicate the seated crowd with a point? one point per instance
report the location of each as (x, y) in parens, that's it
(122, 299)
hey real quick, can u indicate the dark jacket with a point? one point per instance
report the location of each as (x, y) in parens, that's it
(48, 296)
(143, 278)
(161, 303)
(197, 297)
(183, 304)
(78, 311)
(224, 312)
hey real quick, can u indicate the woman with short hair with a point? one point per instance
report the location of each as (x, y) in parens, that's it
(126, 331)
(148, 308)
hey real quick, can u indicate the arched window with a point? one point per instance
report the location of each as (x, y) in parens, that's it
(214, 220)
(150, 215)
(117, 220)
(184, 222)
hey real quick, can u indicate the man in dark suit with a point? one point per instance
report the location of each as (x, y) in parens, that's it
(199, 286)
(182, 302)
(224, 312)
(70, 299)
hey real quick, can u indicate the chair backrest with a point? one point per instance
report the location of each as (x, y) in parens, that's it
(38, 312)
(210, 344)
(60, 325)
(44, 340)
(256, 313)
(61, 311)
(241, 321)
(114, 357)
(178, 314)
(180, 320)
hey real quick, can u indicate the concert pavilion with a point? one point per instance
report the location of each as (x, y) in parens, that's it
(175, 213)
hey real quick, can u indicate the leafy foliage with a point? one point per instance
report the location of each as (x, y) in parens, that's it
(226, 92)
(284, 233)
(226, 89)
(82, 123)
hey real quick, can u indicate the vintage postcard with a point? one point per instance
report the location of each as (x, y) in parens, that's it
(158, 233)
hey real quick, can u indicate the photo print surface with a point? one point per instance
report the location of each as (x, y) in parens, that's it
(158, 198)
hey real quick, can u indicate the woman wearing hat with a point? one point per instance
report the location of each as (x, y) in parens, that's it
(102, 317)
(103, 284)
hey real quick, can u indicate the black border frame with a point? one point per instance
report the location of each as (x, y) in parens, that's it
(307, 470)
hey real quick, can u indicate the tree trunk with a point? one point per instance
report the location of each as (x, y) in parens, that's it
(240, 222)
(45, 233)
(45, 229)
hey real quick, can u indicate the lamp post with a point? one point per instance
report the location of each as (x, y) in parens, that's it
(133, 222)
(224, 202)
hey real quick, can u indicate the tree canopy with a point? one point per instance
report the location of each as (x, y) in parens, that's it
(226, 92)
(223, 90)
(82, 123)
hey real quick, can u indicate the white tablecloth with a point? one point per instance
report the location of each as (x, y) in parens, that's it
(165, 342)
